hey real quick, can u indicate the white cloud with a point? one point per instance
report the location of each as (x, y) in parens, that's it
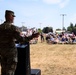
(52, 1)
(61, 3)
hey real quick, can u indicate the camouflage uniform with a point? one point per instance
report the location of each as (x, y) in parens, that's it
(8, 51)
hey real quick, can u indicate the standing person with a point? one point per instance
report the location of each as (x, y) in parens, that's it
(8, 50)
(42, 37)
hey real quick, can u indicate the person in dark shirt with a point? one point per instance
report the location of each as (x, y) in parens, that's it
(42, 37)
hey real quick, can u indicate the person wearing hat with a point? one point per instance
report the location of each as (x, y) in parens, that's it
(8, 50)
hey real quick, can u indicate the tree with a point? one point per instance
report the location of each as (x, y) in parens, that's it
(47, 29)
(74, 30)
(70, 28)
(39, 30)
(58, 29)
(75, 25)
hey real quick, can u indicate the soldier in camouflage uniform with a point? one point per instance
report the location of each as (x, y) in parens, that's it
(8, 51)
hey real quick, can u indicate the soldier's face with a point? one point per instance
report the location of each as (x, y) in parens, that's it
(11, 18)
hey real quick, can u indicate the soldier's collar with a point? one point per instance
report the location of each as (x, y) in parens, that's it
(7, 23)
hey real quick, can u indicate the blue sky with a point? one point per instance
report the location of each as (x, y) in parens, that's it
(40, 13)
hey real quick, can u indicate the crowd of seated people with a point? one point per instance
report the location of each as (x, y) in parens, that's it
(63, 38)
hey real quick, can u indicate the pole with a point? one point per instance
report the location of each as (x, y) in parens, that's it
(63, 20)
(22, 25)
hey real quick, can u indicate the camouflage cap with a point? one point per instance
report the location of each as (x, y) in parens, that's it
(7, 12)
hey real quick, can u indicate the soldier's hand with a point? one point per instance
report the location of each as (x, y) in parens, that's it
(35, 35)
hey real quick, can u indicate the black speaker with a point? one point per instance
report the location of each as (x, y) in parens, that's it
(35, 72)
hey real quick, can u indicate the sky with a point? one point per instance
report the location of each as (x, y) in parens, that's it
(40, 13)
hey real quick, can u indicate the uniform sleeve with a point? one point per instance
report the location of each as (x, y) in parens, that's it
(16, 34)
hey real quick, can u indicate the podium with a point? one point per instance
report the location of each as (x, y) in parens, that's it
(23, 65)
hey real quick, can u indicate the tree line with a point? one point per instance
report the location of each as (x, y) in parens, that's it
(71, 28)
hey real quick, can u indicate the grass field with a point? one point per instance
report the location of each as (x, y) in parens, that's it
(53, 59)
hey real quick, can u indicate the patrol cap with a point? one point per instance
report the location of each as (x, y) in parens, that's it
(9, 12)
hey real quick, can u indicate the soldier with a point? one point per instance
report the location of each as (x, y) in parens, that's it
(8, 51)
